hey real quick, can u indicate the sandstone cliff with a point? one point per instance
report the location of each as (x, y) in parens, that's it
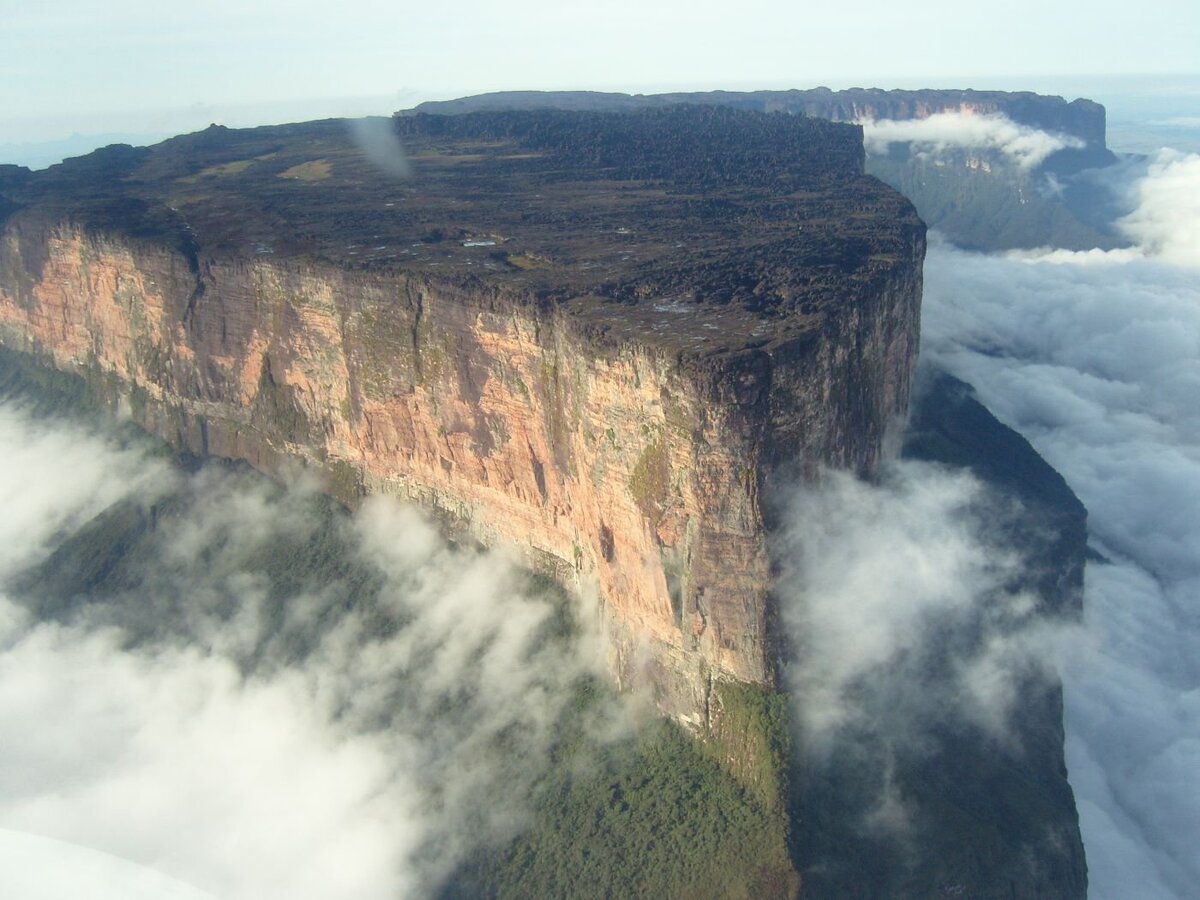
(592, 338)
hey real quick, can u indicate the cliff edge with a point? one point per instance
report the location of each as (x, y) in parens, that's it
(591, 336)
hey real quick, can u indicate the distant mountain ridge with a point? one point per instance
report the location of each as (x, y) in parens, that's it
(979, 197)
(1081, 118)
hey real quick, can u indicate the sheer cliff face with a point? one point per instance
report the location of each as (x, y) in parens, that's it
(619, 434)
(1081, 118)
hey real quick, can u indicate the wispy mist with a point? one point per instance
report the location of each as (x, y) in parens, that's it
(349, 735)
(879, 581)
(55, 479)
(1027, 147)
(377, 139)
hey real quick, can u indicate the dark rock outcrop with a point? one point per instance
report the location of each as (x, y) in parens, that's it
(1081, 118)
(979, 197)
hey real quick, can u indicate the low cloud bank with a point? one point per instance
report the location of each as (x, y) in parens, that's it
(1095, 357)
(1027, 147)
(352, 736)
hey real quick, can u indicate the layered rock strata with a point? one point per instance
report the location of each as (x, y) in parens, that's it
(591, 337)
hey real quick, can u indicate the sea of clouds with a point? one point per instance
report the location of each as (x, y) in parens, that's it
(1095, 357)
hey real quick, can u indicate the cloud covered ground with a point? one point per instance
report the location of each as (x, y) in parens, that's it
(1095, 357)
(244, 743)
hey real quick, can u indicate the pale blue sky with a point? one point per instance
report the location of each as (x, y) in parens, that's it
(159, 66)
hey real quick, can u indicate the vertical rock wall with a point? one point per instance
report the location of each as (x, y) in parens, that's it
(628, 470)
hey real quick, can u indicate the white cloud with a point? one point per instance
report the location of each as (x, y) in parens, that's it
(1166, 218)
(1028, 147)
(1096, 358)
(172, 761)
(56, 477)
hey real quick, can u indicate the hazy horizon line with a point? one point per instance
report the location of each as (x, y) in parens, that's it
(28, 136)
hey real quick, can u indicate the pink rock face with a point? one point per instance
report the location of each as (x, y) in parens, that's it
(617, 467)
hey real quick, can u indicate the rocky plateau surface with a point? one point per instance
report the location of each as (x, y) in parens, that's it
(597, 336)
